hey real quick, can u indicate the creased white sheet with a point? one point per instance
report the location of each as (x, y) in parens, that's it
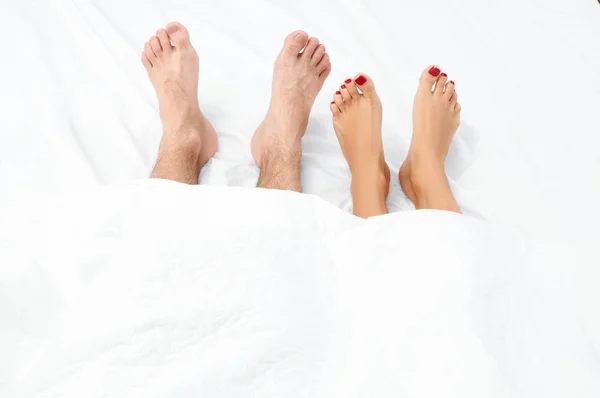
(155, 290)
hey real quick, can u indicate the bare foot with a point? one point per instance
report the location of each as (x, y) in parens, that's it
(436, 116)
(299, 73)
(173, 70)
(357, 123)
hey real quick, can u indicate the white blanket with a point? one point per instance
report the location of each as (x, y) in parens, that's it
(161, 289)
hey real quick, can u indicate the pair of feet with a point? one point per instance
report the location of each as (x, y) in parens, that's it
(357, 119)
(189, 139)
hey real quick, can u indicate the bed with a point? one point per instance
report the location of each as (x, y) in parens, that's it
(78, 115)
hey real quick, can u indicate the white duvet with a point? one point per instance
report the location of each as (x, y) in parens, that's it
(157, 289)
(153, 291)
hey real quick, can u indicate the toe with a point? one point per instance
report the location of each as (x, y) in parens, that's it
(365, 84)
(323, 64)
(310, 48)
(155, 44)
(428, 78)
(178, 34)
(449, 90)
(345, 93)
(339, 101)
(351, 87)
(146, 61)
(149, 53)
(454, 100)
(334, 108)
(295, 42)
(457, 107)
(165, 42)
(318, 55)
(327, 69)
(440, 85)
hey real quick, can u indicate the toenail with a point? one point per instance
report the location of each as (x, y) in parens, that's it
(333, 102)
(338, 92)
(348, 81)
(343, 86)
(452, 82)
(445, 75)
(435, 72)
(361, 80)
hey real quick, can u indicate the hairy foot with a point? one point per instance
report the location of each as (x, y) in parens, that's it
(299, 73)
(436, 116)
(357, 122)
(172, 65)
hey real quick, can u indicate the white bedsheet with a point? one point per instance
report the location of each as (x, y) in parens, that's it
(76, 111)
(150, 290)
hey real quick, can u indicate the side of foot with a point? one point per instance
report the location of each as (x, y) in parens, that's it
(173, 66)
(357, 119)
(299, 73)
(436, 116)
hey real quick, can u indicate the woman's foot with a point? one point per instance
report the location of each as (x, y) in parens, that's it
(299, 73)
(436, 116)
(357, 122)
(172, 65)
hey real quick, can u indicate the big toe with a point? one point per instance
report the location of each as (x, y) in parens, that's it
(430, 75)
(366, 85)
(178, 34)
(295, 42)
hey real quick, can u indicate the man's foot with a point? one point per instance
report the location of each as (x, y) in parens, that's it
(436, 116)
(357, 122)
(172, 65)
(299, 73)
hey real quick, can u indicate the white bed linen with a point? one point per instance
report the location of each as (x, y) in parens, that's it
(162, 289)
(76, 111)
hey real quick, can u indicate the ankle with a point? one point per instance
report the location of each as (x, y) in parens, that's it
(369, 189)
(186, 143)
(369, 177)
(289, 122)
(280, 170)
(428, 185)
(281, 154)
(368, 201)
(426, 161)
(368, 195)
(431, 190)
(182, 120)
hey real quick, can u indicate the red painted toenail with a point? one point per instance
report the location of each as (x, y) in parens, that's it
(435, 72)
(348, 81)
(361, 80)
(343, 86)
(445, 75)
(452, 82)
(333, 102)
(338, 92)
